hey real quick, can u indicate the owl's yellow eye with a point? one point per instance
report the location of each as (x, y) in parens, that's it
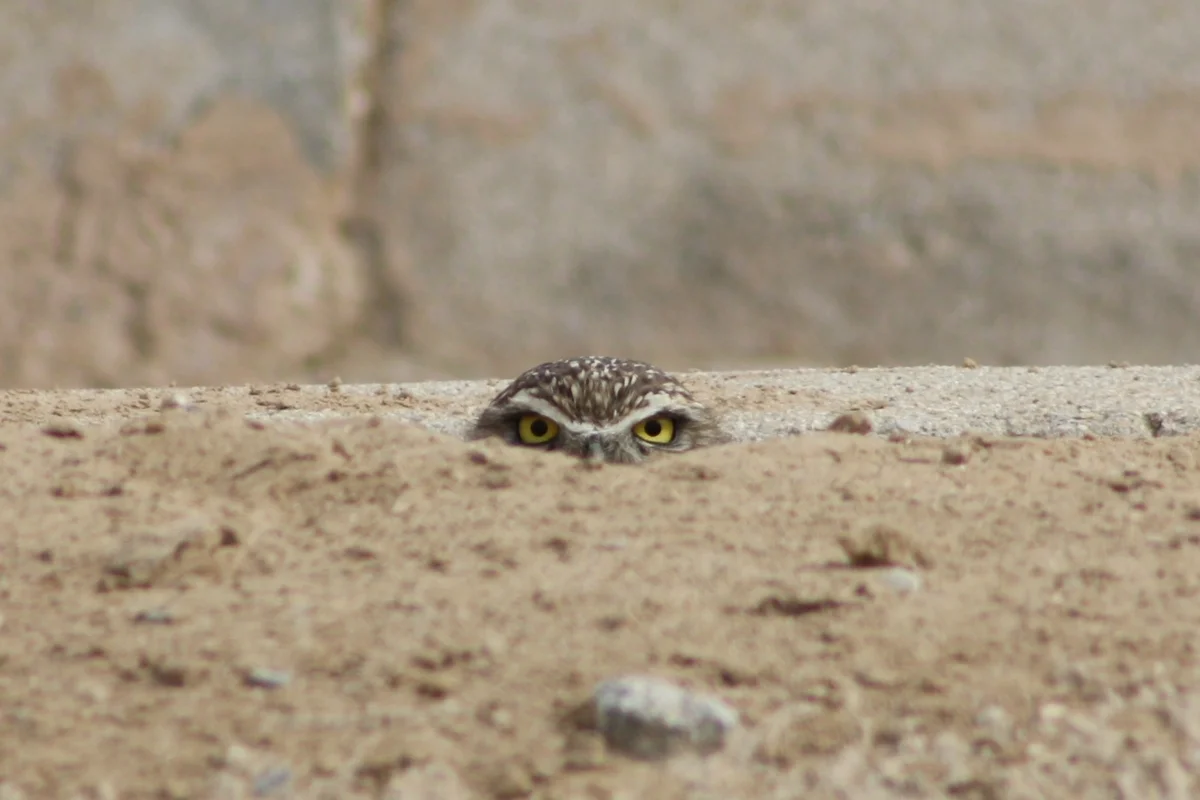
(656, 430)
(536, 429)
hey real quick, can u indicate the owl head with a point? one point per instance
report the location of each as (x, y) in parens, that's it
(601, 409)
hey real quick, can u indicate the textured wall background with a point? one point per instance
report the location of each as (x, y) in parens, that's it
(173, 179)
(387, 189)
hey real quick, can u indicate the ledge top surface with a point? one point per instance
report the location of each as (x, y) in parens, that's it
(939, 401)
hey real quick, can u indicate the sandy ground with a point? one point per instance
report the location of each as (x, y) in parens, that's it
(199, 604)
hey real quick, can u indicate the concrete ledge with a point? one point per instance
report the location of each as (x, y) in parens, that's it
(929, 401)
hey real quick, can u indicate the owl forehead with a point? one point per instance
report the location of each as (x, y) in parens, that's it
(598, 390)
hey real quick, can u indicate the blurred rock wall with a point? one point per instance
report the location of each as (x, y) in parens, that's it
(209, 191)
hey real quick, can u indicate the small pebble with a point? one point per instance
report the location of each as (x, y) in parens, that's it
(881, 545)
(856, 422)
(63, 429)
(174, 400)
(994, 718)
(956, 454)
(93, 691)
(652, 718)
(154, 616)
(271, 781)
(268, 678)
(901, 580)
(238, 758)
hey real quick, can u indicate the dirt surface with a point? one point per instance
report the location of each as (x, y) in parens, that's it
(195, 604)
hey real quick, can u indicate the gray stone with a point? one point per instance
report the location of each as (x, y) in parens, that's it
(652, 718)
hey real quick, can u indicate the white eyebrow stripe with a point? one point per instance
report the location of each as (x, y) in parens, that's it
(537, 405)
(590, 427)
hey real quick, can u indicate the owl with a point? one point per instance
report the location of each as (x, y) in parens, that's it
(601, 409)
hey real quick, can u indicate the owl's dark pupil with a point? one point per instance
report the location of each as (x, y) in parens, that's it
(539, 427)
(653, 428)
